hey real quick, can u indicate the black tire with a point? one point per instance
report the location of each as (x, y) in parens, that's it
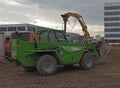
(46, 65)
(87, 61)
(29, 69)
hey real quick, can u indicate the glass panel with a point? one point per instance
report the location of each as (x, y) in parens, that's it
(43, 36)
(22, 28)
(2, 29)
(111, 7)
(23, 36)
(52, 37)
(60, 36)
(11, 28)
(56, 36)
(31, 29)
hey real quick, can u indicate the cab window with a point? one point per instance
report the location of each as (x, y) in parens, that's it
(43, 36)
(56, 36)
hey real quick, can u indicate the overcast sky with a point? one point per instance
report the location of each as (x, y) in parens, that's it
(47, 13)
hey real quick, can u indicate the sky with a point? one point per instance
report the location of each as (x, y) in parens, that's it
(47, 13)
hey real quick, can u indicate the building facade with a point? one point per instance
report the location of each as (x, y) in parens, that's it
(112, 22)
(7, 29)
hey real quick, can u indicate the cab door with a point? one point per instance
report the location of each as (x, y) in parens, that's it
(66, 49)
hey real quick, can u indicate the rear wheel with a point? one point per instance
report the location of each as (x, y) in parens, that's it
(46, 65)
(87, 61)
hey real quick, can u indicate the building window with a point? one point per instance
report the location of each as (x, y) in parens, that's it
(31, 29)
(114, 41)
(112, 35)
(112, 24)
(112, 19)
(112, 29)
(112, 13)
(3, 29)
(11, 28)
(111, 7)
(22, 28)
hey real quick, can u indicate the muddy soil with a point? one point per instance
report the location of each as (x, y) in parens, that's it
(104, 74)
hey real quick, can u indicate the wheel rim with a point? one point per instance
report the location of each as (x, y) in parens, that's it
(48, 66)
(89, 62)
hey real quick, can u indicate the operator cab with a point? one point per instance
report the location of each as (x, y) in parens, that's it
(52, 36)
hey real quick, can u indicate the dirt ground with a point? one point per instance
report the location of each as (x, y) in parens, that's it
(105, 74)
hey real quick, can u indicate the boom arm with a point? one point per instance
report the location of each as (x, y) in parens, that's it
(80, 20)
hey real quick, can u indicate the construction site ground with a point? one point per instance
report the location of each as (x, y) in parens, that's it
(104, 74)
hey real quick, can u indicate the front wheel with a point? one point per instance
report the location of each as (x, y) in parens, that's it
(87, 61)
(46, 65)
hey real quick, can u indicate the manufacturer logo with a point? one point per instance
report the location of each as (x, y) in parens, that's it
(75, 48)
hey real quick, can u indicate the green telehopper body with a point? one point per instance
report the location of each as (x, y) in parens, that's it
(51, 42)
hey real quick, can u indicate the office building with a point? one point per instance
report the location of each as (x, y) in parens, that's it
(112, 22)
